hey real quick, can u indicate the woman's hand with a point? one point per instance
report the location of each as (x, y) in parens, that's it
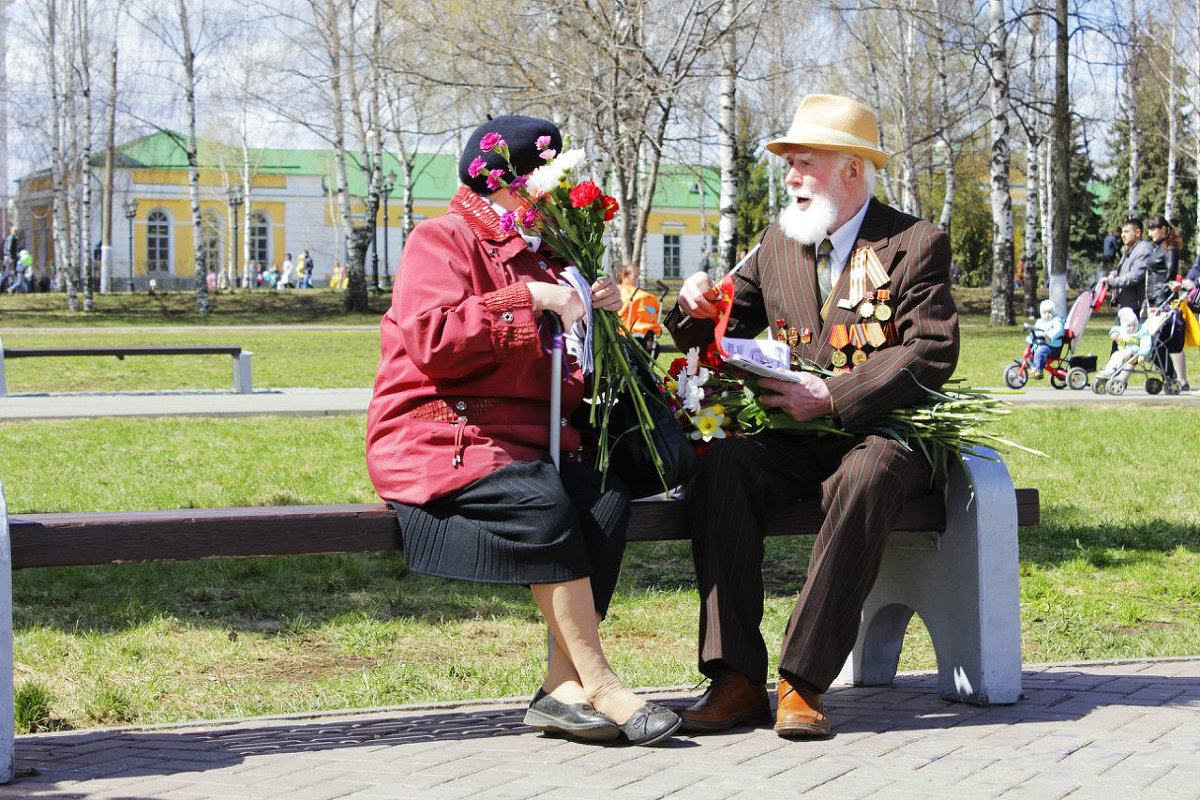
(606, 294)
(562, 300)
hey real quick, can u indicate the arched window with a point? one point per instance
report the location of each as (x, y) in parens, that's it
(158, 242)
(210, 240)
(259, 226)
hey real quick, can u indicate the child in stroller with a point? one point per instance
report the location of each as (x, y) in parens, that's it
(1136, 350)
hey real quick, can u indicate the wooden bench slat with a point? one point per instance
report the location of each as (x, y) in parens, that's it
(60, 540)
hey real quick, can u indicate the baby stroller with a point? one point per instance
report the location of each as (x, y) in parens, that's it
(1156, 368)
(1065, 369)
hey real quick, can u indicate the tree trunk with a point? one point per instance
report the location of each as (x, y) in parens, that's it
(106, 225)
(910, 196)
(946, 136)
(1032, 240)
(1001, 197)
(1061, 161)
(87, 252)
(203, 301)
(1131, 114)
(727, 147)
(1172, 134)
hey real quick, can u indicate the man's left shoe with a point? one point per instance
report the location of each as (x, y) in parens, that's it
(800, 712)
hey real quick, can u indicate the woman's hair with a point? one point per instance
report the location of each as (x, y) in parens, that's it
(1172, 241)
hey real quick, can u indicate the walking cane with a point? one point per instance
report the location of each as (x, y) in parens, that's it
(556, 360)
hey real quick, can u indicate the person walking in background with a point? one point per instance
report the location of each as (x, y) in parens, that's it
(639, 309)
(287, 273)
(1108, 252)
(705, 264)
(304, 267)
(1128, 281)
(1162, 270)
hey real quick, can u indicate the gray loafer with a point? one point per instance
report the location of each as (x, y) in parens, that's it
(579, 720)
(650, 724)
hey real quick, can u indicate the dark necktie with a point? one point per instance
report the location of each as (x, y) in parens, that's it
(824, 276)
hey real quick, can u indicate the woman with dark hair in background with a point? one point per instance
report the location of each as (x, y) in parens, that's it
(1161, 272)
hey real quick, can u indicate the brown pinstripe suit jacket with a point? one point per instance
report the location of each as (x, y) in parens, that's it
(779, 282)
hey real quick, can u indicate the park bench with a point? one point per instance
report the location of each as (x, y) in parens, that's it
(952, 560)
(241, 358)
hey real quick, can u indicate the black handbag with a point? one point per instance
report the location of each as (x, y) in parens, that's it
(630, 456)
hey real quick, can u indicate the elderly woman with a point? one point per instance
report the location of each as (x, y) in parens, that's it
(458, 442)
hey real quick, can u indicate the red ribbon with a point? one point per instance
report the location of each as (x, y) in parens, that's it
(724, 304)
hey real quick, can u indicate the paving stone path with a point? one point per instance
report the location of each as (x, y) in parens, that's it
(1097, 730)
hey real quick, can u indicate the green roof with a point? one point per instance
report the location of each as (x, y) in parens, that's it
(435, 175)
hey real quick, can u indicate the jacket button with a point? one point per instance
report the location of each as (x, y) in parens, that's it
(543, 265)
(461, 405)
(507, 316)
(562, 422)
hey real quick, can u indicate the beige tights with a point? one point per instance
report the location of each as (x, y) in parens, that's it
(577, 656)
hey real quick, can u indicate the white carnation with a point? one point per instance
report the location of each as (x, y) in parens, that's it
(545, 178)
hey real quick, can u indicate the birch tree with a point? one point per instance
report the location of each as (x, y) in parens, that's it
(1001, 196)
(727, 144)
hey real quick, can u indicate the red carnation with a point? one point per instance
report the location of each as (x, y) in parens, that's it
(610, 207)
(677, 366)
(585, 194)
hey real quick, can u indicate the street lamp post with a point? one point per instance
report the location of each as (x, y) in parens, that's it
(130, 212)
(389, 183)
(235, 199)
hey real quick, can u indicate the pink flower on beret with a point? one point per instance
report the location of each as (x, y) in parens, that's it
(477, 166)
(508, 221)
(542, 142)
(490, 141)
(547, 155)
(493, 179)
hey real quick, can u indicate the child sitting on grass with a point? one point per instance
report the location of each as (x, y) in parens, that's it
(1134, 343)
(1046, 337)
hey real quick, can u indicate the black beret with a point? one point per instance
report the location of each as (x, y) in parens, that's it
(521, 135)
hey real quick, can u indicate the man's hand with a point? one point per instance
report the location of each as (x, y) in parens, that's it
(803, 400)
(696, 296)
(606, 294)
(562, 300)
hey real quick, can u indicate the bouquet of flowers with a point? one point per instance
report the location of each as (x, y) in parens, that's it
(941, 426)
(569, 213)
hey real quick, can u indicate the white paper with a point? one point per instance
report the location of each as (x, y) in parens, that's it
(766, 358)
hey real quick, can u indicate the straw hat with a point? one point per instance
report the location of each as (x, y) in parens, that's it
(832, 122)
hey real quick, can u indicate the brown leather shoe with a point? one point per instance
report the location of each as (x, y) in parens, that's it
(800, 712)
(732, 699)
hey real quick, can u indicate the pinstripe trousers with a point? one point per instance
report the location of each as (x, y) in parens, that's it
(862, 483)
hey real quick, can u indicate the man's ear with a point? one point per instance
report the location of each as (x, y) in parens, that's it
(853, 170)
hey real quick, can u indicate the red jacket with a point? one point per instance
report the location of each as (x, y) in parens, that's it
(463, 386)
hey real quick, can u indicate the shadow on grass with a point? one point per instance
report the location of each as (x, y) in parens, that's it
(1059, 540)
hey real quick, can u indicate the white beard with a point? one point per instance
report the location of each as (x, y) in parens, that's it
(810, 225)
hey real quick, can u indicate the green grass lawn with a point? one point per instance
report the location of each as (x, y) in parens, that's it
(1111, 572)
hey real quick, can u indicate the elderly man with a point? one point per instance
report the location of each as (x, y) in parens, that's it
(861, 290)
(1128, 281)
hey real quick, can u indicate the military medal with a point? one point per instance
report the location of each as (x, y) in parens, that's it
(780, 330)
(837, 358)
(884, 295)
(875, 335)
(805, 336)
(866, 309)
(793, 337)
(882, 313)
(859, 357)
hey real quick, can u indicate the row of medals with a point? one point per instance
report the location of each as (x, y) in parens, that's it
(873, 307)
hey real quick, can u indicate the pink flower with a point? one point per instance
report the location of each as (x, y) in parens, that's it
(547, 155)
(518, 182)
(476, 167)
(529, 219)
(508, 221)
(490, 141)
(493, 179)
(542, 142)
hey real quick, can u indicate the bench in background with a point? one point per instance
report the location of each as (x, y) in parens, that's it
(952, 560)
(241, 358)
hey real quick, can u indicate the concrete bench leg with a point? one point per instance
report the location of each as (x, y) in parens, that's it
(8, 754)
(962, 584)
(241, 373)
